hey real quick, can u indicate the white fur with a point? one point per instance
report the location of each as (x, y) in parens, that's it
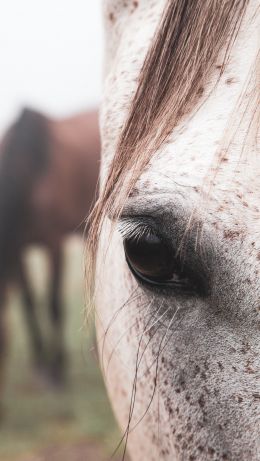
(205, 403)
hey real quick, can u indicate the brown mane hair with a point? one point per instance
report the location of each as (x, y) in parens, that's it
(188, 41)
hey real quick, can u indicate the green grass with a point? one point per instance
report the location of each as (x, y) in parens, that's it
(36, 416)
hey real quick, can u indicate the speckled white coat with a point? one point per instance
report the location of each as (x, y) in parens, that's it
(200, 399)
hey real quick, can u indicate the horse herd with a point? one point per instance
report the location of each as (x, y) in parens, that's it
(173, 243)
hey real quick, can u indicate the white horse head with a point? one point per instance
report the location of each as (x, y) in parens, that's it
(178, 228)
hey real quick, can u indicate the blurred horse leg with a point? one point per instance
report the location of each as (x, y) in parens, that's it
(30, 311)
(3, 346)
(57, 316)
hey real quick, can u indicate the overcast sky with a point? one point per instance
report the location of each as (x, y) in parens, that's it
(50, 56)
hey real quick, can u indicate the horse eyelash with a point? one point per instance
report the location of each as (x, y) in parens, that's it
(134, 230)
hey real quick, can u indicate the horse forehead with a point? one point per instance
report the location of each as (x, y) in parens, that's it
(195, 167)
(194, 149)
(196, 160)
(213, 155)
(130, 28)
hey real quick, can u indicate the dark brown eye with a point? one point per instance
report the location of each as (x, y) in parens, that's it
(153, 261)
(150, 258)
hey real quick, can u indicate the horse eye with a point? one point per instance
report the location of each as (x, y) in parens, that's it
(150, 258)
(153, 261)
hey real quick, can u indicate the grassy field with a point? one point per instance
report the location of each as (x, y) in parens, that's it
(39, 423)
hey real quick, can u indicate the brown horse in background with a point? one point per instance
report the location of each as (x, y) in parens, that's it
(48, 176)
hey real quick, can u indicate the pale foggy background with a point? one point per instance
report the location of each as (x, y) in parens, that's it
(51, 61)
(50, 56)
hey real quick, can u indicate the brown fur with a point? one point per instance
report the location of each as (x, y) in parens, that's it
(48, 176)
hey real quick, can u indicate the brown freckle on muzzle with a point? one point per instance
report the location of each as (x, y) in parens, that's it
(225, 457)
(230, 80)
(238, 398)
(224, 159)
(211, 451)
(111, 17)
(220, 365)
(232, 234)
(201, 401)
